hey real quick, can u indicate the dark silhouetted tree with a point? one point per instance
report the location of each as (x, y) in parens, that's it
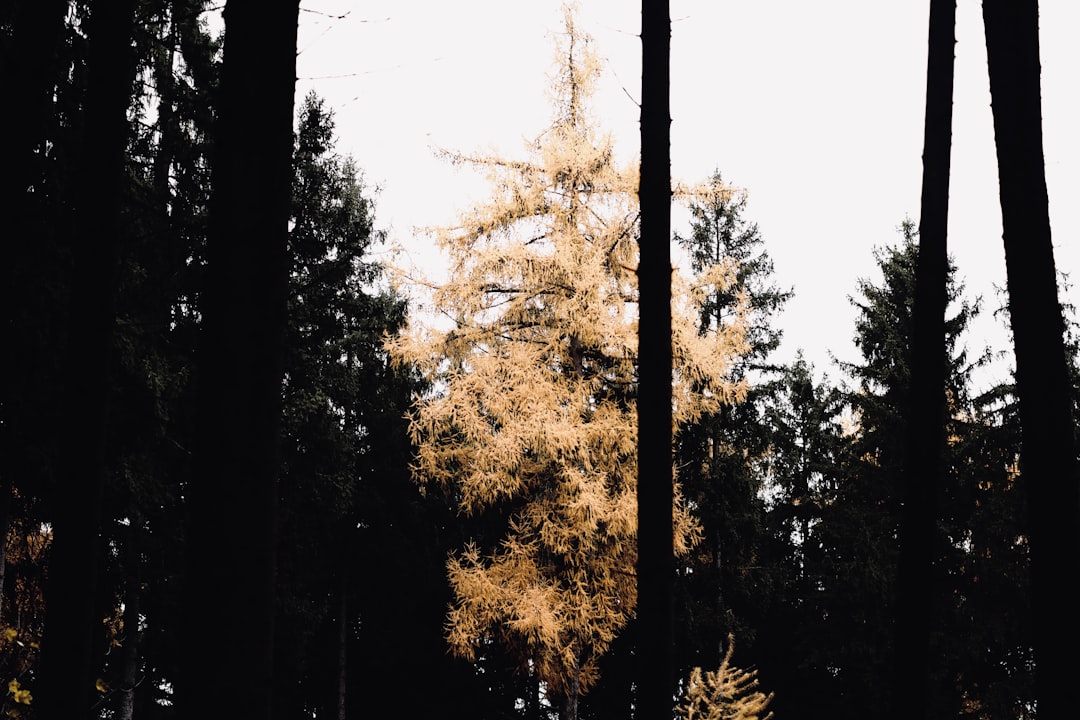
(1048, 425)
(232, 494)
(918, 587)
(656, 565)
(96, 200)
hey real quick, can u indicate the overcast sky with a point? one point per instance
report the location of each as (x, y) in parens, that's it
(816, 108)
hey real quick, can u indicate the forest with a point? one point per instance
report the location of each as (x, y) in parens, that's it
(249, 467)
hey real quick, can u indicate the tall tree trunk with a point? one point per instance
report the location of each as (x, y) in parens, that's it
(232, 494)
(917, 586)
(1048, 459)
(655, 482)
(66, 678)
(28, 76)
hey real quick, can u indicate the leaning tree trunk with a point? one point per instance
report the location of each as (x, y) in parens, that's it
(1048, 450)
(917, 583)
(227, 669)
(655, 482)
(66, 678)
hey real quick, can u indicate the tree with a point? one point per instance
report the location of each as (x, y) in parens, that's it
(343, 435)
(1049, 460)
(854, 542)
(655, 491)
(729, 693)
(918, 587)
(533, 425)
(722, 455)
(66, 672)
(719, 230)
(799, 473)
(233, 492)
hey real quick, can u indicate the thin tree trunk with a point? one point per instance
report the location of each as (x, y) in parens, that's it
(129, 656)
(1048, 459)
(232, 496)
(655, 482)
(917, 586)
(343, 640)
(6, 502)
(66, 665)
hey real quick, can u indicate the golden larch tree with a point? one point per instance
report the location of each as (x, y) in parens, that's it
(534, 401)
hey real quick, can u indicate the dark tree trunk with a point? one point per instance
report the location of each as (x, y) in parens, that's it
(232, 495)
(1048, 459)
(655, 491)
(343, 656)
(7, 501)
(129, 649)
(28, 302)
(28, 75)
(66, 679)
(917, 585)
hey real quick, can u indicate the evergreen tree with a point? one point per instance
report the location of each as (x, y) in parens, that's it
(343, 434)
(855, 574)
(722, 455)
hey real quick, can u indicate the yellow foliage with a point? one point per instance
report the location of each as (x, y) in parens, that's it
(727, 694)
(536, 383)
(18, 694)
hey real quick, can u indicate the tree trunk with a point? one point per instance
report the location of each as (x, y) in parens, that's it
(343, 643)
(917, 585)
(1048, 459)
(129, 652)
(66, 665)
(28, 303)
(655, 482)
(6, 502)
(232, 495)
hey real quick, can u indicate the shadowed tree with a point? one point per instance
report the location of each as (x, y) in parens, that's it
(917, 584)
(95, 199)
(1048, 426)
(656, 564)
(30, 303)
(233, 490)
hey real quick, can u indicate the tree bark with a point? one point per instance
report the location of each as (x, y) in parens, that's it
(917, 585)
(227, 670)
(1048, 450)
(655, 482)
(66, 678)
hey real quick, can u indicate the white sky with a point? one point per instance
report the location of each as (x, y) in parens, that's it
(815, 107)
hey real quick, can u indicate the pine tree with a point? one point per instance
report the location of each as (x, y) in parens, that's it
(857, 532)
(533, 424)
(721, 456)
